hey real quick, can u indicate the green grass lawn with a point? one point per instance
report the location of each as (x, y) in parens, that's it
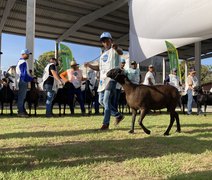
(71, 148)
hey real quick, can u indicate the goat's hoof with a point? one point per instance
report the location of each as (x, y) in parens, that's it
(166, 134)
(178, 131)
(148, 132)
(131, 131)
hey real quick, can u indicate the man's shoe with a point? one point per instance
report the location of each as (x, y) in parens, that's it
(49, 115)
(22, 115)
(119, 119)
(104, 127)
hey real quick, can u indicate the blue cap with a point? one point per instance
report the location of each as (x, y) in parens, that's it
(25, 51)
(105, 35)
(123, 61)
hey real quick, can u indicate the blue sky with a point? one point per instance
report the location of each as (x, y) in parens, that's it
(13, 44)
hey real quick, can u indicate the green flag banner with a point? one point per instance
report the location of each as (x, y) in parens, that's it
(173, 58)
(66, 56)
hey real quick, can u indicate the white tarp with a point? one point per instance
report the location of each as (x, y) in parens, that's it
(180, 22)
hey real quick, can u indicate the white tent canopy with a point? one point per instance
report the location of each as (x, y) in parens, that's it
(181, 22)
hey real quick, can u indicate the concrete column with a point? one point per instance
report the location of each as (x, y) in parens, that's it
(164, 69)
(198, 60)
(30, 31)
(56, 50)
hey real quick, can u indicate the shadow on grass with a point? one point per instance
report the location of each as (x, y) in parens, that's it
(206, 175)
(76, 153)
(201, 128)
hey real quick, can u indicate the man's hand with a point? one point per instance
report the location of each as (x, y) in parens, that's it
(115, 46)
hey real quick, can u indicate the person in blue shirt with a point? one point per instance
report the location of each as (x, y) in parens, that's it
(24, 77)
(134, 73)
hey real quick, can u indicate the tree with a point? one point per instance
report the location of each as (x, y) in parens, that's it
(42, 61)
(206, 71)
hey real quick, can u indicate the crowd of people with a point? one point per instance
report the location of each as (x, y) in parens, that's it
(108, 90)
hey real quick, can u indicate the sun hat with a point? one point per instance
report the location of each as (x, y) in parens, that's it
(73, 63)
(192, 70)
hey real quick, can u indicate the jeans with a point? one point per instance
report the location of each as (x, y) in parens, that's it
(105, 99)
(78, 93)
(49, 98)
(190, 100)
(22, 85)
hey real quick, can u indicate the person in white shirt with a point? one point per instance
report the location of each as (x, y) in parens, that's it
(173, 79)
(107, 87)
(149, 77)
(190, 83)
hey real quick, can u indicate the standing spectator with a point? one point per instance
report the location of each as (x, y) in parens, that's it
(92, 76)
(134, 73)
(74, 76)
(173, 79)
(23, 79)
(149, 77)
(50, 79)
(107, 87)
(191, 82)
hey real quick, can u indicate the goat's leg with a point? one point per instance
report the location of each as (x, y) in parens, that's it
(30, 108)
(2, 108)
(172, 115)
(35, 108)
(134, 112)
(59, 109)
(142, 115)
(205, 106)
(64, 109)
(11, 108)
(183, 108)
(178, 122)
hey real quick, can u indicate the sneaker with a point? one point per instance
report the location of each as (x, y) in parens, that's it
(104, 127)
(49, 115)
(119, 119)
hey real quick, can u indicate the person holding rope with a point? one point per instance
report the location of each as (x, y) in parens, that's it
(107, 87)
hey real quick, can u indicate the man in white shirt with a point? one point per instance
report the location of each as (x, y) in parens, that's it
(149, 77)
(173, 79)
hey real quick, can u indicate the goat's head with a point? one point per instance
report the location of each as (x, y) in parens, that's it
(198, 89)
(6, 81)
(117, 74)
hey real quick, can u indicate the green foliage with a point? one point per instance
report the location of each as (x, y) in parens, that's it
(42, 61)
(206, 71)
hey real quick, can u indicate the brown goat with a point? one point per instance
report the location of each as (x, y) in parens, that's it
(148, 98)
